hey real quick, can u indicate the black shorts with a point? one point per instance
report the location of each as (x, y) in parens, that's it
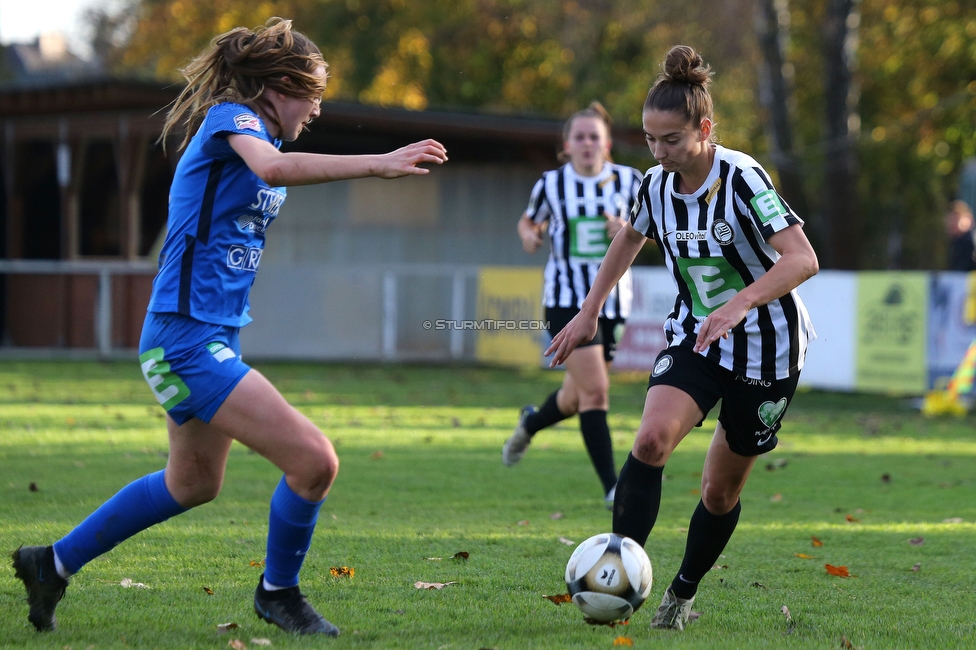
(752, 409)
(609, 331)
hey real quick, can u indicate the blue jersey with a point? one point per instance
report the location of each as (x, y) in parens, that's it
(219, 211)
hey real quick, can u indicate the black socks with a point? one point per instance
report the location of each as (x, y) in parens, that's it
(637, 500)
(596, 436)
(546, 416)
(707, 536)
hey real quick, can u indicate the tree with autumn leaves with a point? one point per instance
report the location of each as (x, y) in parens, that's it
(865, 108)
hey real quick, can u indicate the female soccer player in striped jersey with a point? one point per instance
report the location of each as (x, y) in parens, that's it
(247, 92)
(738, 331)
(584, 203)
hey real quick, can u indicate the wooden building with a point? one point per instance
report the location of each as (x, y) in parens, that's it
(85, 184)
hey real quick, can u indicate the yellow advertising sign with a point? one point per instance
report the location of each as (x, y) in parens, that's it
(891, 332)
(509, 315)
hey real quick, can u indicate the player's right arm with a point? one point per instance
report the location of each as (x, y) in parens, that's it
(621, 254)
(297, 168)
(530, 233)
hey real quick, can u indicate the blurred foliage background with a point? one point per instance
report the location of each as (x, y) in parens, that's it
(869, 130)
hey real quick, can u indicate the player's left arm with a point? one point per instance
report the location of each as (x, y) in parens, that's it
(797, 262)
(297, 168)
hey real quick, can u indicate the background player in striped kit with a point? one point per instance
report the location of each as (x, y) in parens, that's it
(738, 331)
(247, 92)
(583, 203)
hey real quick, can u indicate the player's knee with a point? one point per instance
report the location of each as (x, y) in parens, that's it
(197, 493)
(718, 499)
(321, 468)
(593, 396)
(652, 446)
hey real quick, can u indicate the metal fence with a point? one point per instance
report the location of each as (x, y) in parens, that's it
(301, 312)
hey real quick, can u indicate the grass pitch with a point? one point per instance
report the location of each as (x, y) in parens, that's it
(889, 494)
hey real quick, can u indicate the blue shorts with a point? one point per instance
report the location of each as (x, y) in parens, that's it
(190, 366)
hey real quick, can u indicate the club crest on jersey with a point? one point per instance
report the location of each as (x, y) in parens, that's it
(722, 232)
(247, 121)
(617, 205)
(662, 366)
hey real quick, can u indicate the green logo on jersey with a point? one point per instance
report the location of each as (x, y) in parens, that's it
(588, 237)
(768, 206)
(711, 281)
(168, 388)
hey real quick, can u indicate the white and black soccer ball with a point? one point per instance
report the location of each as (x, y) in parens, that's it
(609, 577)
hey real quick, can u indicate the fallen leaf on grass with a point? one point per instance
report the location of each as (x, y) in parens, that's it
(851, 519)
(432, 585)
(560, 599)
(776, 498)
(916, 567)
(556, 516)
(340, 571)
(916, 541)
(256, 563)
(815, 542)
(522, 522)
(622, 640)
(845, 643)
(224, 628)
(804, 556)
(236, 644)
(376, 455)
(461, 555)
(261, 641)
(839, 571)
(208, 591)
(567, 542)
(127, 583)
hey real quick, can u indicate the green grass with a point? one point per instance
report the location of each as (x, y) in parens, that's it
(421, 477)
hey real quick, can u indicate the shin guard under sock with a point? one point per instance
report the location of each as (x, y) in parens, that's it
(707, 536)
(290, 527)
(139, 505)
(596, 436)
(638, 499)
(548, 415)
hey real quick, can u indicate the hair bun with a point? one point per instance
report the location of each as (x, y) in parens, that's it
(684, 65)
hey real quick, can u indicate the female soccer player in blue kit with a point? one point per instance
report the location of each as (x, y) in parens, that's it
(252, 90)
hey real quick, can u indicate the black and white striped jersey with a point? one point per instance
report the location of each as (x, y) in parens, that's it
(574, 206)
(715, 244)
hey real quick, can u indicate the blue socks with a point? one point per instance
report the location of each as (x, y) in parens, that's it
(290, 526)
(139, 505)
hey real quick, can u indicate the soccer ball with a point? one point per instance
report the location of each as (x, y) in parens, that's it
(608, 577)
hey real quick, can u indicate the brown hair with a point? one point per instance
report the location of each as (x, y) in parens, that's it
(595, 109)
(239, 65)
(683, 86)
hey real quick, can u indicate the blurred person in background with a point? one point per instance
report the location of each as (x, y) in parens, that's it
(960, 230)
(582, 205)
